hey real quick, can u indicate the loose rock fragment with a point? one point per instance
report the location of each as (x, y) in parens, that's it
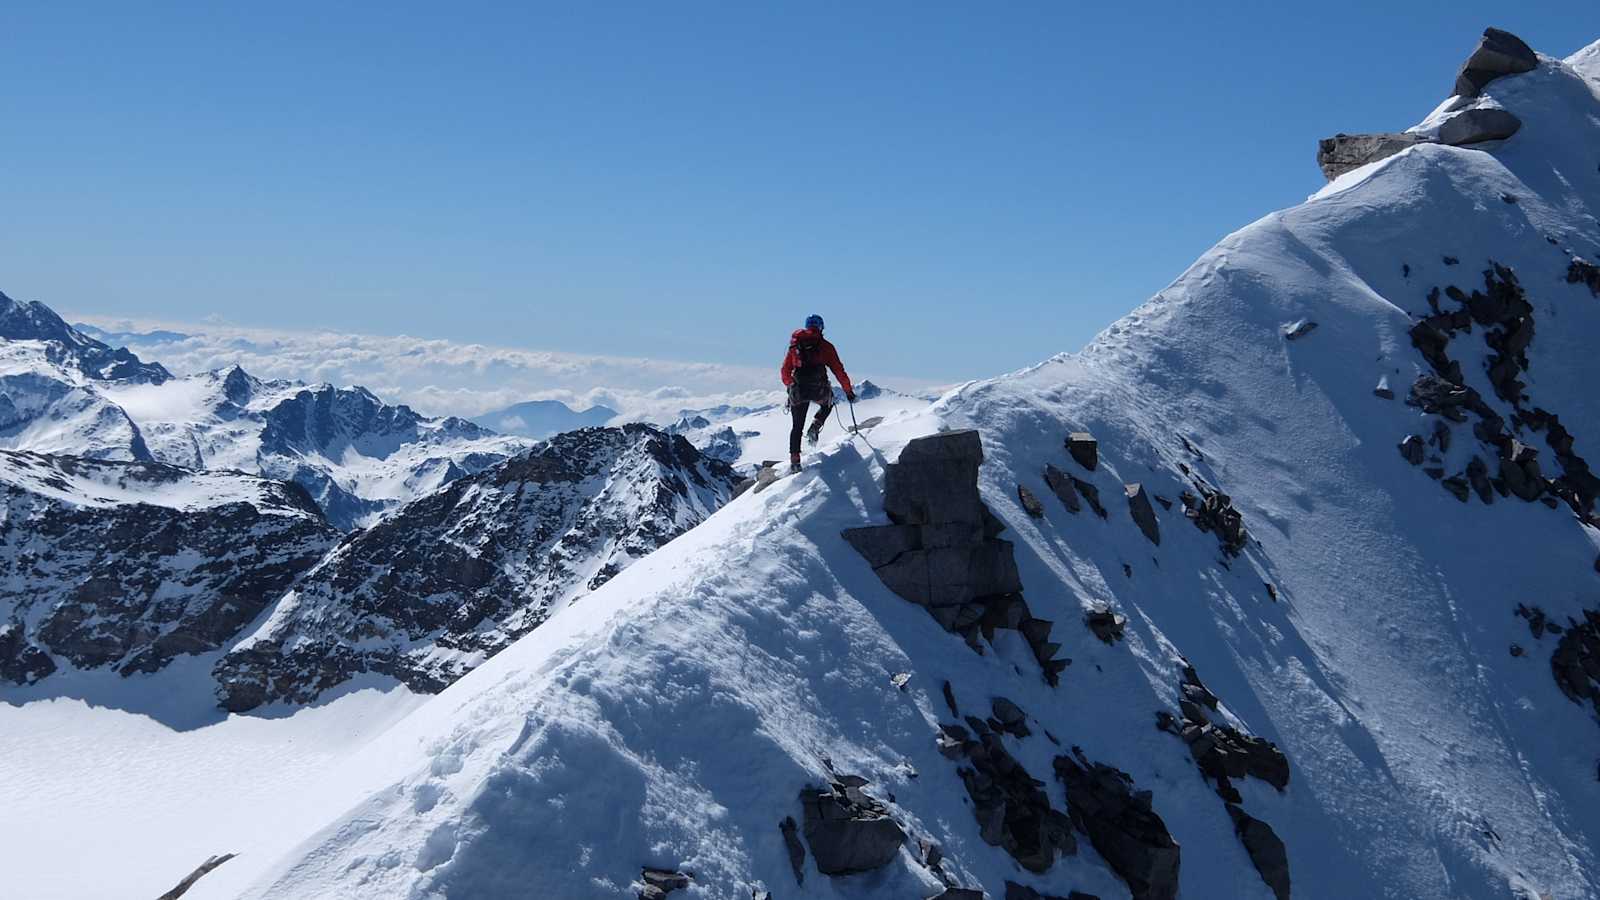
(1030, 503)
(1265, 848)
(1143, 515)
(1061, 485)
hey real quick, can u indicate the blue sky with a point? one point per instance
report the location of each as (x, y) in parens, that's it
(962, 189)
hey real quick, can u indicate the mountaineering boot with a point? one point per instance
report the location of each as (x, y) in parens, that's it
(794, 463)
(814, 432)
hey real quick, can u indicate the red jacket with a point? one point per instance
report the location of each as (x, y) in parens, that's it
(825, 354)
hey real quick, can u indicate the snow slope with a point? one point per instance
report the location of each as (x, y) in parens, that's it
(670, 718)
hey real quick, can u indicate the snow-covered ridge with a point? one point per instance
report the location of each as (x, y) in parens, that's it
(92, 483)
(1375, 627)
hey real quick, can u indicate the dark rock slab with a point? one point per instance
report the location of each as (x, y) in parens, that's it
(1266, 850)
(847, 830)
(1091, 495)
(1474, 126)
(658, 883)
(1498, 53)
(1345, 152)
(1213, 511)
(1412, 449)
(1106, 624)
(1060, 484)
(1030, 503)
(1586, 273)
(1082, 446)
(1299, 329)
(1478, 477)
(1122, 826)
(1012, 810)
(797, 850)
(1143, 514)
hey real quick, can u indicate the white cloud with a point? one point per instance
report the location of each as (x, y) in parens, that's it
(439, 377)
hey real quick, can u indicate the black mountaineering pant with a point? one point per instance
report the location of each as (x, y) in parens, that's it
(800, 400)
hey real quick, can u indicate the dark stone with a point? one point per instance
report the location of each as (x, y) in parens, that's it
(1106, 625)
(1433, 394)
(1143, 515)
(935, 480)
(1585, 273)
(658, 883)
(950, 699)
(1457, 486)
(1012, 810)
(20, 661)
(1082, 447)
(1091, 495)
(1122, 826)
(1011, 717)
(1383, 390)
(956, 893)
(1478, 477)
(1030, 503)
(797, 850)
(1345, 152)
(1498, 53)
(1016, 891)
(847, 830)
(1299, 329)
(1576, 661)
(1475, 126)
(883, 544)
(1212, 511)
(1412, 449)
(1061, 485)
(1265, 848)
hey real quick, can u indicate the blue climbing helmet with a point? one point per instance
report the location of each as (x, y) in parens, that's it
(814, 321)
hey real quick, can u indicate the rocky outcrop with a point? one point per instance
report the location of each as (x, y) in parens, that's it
(1580, 271)
(1576, 661)
(942, 550)
(1412, 449)
(1213, 512)
(847, 830)
(131, 585)
(1474, 126)
(1297, 330)
(1498, 53)
(1106, 624)
(1122, 826)
(1013, 812)
(1030, 503)
(1345, 152)
(448, 581)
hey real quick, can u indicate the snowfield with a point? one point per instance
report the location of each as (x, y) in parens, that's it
(1368, 627)
(670, 719)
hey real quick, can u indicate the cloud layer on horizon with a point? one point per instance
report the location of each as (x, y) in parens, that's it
(439, 377)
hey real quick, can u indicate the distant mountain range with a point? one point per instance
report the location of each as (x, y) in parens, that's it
(540, 419)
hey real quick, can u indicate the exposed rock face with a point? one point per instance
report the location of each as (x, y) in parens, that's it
(1586, 273)
(1212, 511)
(943, 553)
(448, 581)
(96, 582)
(1143, 515)
(1061, 485)
(1498, 53)
(1122, 826)
(797, 850)
(1090, 494)
(1082, 446)
(1345, 152)
(1106, 625)
(1576, 662)
(1013, 812)
(1265, 848)
(1474, 126)
(1300, 329)
(847, 830)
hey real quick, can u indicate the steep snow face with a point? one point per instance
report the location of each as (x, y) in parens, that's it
(1586, 62)
(432, 591)
(1367, 628)
(355, 454)
(127, 565)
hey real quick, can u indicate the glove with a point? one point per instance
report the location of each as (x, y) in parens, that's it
(850, 395)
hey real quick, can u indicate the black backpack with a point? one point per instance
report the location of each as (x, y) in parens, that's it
(808, 358)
